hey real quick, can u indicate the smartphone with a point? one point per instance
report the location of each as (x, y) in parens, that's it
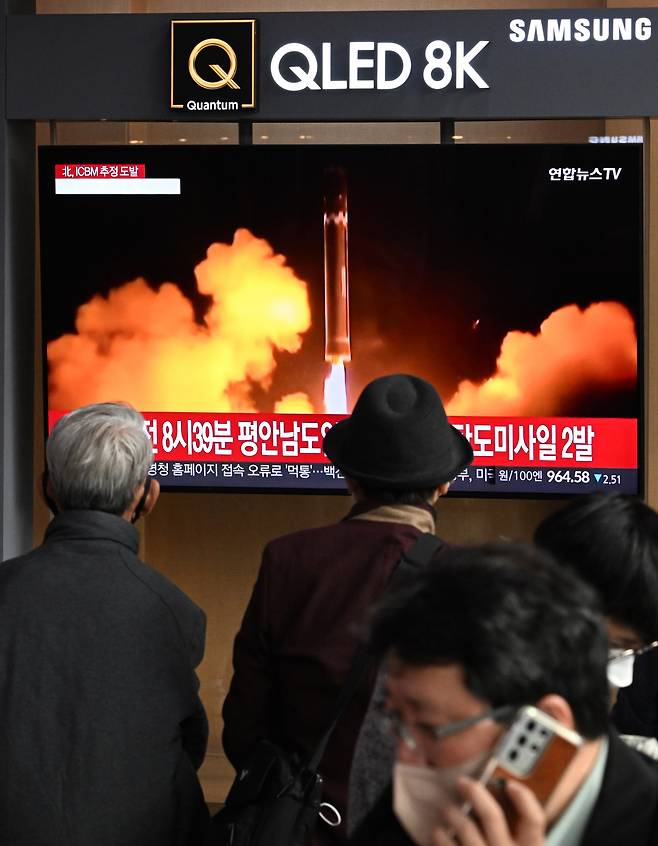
(535, 751)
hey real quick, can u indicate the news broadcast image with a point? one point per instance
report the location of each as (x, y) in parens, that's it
(242, 297)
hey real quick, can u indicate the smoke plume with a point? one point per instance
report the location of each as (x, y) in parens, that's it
(576, 353)
(143, 346)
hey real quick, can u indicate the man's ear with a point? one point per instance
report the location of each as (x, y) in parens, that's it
(146, 495)
(354, 488)
(557, 707)
(441, 490)
(47, 493)
(152, 497)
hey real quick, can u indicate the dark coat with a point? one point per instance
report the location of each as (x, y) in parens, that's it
(625, 813)
(101, 727)
(636, 709)
(297, 641)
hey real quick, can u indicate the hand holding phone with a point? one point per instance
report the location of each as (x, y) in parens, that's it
(535, 751)
(505, 806)
(486, 825)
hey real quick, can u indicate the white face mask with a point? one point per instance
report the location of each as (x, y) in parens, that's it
(420, 793)
(620, 671)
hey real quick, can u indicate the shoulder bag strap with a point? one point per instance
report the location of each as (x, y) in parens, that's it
(415, 558)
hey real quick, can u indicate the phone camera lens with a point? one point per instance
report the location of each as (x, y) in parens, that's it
(513, 755)
(531, 725)
(534, 747)
(522, 740)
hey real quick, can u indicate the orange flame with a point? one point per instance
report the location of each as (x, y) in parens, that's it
(335, 390)
(575, 350)
(145, 347)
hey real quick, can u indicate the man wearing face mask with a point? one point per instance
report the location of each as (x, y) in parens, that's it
(480, 634)
(611, 542)
(101, 726)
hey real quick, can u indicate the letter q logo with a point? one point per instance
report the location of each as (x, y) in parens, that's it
(225, 77)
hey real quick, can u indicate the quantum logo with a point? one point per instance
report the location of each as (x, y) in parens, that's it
(225, 77)
(213, 65)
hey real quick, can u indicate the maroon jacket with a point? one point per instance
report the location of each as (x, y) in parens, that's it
(298, 638)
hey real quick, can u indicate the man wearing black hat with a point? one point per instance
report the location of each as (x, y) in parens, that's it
(301, 628)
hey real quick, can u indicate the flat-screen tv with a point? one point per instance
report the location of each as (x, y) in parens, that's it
(242, 297)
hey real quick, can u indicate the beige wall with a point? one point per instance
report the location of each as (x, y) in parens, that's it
(210, 544)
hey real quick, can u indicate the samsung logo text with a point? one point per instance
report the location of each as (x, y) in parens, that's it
(580, 29)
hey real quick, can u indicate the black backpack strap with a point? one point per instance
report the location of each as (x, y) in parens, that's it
(415, 558)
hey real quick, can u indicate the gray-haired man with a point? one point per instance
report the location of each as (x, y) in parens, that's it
(101, 727)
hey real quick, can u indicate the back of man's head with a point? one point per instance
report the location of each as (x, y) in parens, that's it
(519, 626)
(97, 456)
(611, 542)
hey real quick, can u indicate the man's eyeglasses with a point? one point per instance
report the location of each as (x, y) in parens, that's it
(410, 735)
(627, 653)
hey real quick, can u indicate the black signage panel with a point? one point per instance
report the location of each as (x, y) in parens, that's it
(332, 66)
(479, 65)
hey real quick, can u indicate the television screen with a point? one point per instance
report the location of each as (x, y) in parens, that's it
(242, 297)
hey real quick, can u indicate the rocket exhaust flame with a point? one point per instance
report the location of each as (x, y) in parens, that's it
(335, 391)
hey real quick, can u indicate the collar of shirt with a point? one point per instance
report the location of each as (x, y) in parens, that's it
(568, 830)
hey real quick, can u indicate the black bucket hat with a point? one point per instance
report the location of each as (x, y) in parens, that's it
(398, 437)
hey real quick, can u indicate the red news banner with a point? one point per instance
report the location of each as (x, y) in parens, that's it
(100, 171)
(297, 438)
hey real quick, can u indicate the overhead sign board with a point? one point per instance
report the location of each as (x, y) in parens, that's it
(333, 66)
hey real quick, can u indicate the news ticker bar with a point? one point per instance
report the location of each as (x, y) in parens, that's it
(315, 476)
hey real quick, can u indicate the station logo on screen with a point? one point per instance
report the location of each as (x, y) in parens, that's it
(213, 66)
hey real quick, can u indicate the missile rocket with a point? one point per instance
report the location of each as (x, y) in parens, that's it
(337, 347)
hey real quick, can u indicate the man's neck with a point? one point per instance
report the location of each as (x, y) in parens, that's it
(574, 777)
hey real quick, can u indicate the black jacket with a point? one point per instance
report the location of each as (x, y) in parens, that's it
(101, 727)
(636, 709)
(625, 813)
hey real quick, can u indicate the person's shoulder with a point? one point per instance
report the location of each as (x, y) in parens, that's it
(626, 765)
(305, 538)
(19, 562)
(24, 569)
(156, 583)
(188, 616)
(167, 597)
(345, 531)
(626, 756)
(623, 816)
(648, 746)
